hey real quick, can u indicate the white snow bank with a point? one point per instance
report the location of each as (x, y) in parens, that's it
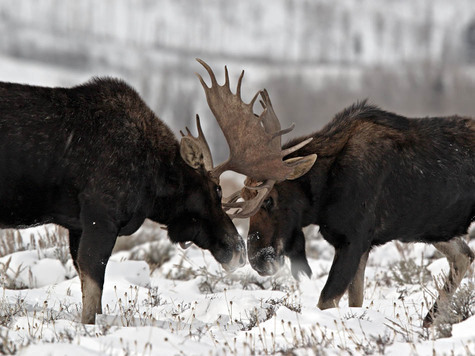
(28, 269)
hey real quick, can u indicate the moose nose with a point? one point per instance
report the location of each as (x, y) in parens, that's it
(238, 258)
(265, 262)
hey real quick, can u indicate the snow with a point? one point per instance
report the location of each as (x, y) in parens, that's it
(190, 306)
(464, 329)
(29, 270)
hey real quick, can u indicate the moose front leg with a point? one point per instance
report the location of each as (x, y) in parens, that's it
(356, 287)
(295, 250)
(460, 256)
(342, 272)
(74, 238)
(95, 247)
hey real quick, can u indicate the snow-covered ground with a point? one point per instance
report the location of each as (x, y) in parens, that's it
(190, 306)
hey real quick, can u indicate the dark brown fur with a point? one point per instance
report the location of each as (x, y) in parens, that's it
(96, 160)
(378, 177)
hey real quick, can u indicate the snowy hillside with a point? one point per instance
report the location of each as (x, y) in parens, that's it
(304, 32)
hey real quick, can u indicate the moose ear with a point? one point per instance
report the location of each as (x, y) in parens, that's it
(191, 152)
(301, 165)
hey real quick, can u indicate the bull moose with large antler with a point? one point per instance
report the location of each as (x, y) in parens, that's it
(96, 160)
(378, 177)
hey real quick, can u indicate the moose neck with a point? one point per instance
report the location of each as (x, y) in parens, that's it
(177, 181)
(327, 144)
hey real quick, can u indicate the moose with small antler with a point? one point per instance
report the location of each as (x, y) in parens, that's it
(379, 177)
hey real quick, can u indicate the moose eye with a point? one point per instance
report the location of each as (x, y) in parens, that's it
(219, 191)
(268, 204)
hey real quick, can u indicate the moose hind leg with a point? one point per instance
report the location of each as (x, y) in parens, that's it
(460, 256)
(356, 287)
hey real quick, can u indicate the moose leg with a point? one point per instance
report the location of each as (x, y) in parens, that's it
(356, 288)
(298, 258)
(460, 256)
(343, 270)
(95, 247)
(74, 238)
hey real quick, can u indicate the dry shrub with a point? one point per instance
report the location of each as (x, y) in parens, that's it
(52, 236)
(459, 308)
(407, 271)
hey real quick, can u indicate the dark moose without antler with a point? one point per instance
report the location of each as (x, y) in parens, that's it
(378, 177)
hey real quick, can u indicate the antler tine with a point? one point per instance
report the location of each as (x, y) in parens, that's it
(284, 131)
(210, 72)
(226, 76)
(265, 96)
(232, 199)
(238, 89)
(251, 104)
(269, 118)
(265, 102)
(296, 147)
(249, 207)
(200, 131)
(187, 131)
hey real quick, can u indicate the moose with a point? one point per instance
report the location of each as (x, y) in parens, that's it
(378, 177)
(96, 160)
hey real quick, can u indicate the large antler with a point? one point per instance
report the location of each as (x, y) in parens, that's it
(254, 142)
(297, 166)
